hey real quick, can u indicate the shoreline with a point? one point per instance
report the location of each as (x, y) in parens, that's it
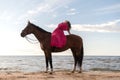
(61, 75)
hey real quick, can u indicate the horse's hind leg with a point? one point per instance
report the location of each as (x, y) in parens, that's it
(78, 57)
(80, 65)
(75, 59)
(80, 60)
(74, 66)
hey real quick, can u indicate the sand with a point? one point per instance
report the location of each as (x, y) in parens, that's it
(61, 75)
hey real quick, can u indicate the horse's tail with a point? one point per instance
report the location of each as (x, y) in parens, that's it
(80, 57)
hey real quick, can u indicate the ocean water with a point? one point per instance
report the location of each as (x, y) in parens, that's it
(37, 63)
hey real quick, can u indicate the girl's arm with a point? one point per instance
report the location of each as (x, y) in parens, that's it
(69, 32)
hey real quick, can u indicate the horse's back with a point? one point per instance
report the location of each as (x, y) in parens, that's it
(73, 37)
(74, 40)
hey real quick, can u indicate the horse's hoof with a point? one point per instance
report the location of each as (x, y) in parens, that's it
(51, 72)
(46, 71)
(80, 72)
(73, 72)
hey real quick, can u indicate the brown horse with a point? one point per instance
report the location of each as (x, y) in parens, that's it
(74, 42)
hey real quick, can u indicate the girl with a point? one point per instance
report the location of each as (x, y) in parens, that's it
(58, 38)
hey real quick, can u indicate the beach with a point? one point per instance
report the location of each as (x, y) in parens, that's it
(33, 67)
(61, 75)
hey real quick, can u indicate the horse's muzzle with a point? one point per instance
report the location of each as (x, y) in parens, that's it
(22, 34)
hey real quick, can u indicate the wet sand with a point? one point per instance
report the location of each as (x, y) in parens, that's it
(61, 75)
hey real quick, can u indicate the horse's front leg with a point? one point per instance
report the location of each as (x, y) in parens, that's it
(50, 61)
(80, 70)
(46, 58)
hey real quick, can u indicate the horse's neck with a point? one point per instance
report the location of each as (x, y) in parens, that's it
(39, 35)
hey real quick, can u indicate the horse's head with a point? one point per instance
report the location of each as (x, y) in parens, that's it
(27, 30)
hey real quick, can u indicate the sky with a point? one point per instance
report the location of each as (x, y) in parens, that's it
(96, 21)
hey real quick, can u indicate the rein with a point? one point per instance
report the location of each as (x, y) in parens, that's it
(30, 40)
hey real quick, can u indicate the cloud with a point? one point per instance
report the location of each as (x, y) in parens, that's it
(47, 6)
(72, 11)
(109, 9)
(52, 25)
(112, 7)
(112, 26)
(5, 16)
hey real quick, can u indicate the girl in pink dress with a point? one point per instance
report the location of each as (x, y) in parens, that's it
(58, 39)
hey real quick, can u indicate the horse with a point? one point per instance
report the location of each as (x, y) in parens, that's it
(74, 42)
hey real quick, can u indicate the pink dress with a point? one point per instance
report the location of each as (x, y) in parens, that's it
(58, 39)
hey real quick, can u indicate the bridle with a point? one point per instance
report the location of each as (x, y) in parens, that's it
(30, 40)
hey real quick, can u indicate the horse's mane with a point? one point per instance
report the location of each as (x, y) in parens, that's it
(40, 29)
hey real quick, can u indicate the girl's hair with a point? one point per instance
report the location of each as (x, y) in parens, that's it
(69, 24)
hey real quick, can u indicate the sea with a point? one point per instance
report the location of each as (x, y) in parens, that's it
(37, 63)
